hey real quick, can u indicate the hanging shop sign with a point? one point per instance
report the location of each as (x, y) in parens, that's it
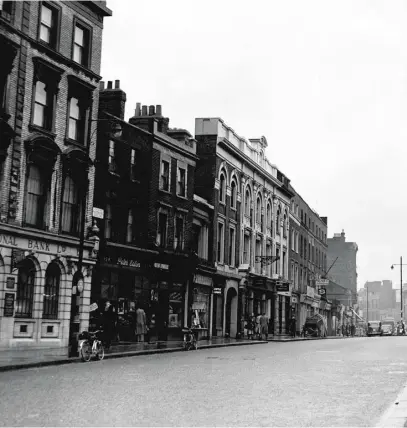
(217, 290)
(294, 299)
(162, 266)
(9, 305)
(93, 307)
(310, 291)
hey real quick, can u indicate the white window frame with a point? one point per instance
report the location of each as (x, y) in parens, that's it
(158, 238)
(162, 161)
(182, 217)
(184, 167)
(222, 193)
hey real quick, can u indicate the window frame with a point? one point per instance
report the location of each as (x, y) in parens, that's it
(130, 238)
(233, 193)
(111, 158)
(222, 187)
(28, 298)
(165, 161)
(50, 311)
(48, 108)
(179, 241)
(88, 49)
(181, 167)
(162, 242)
(42, 199)
(55, 24)
(232, 246)
(76, 208)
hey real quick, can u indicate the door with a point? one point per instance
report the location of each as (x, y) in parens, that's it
(162, 315)
(217, 312)
(231, 312)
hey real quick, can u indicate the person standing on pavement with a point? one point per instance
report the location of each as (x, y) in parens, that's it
(264, 326)
(141, 326)
(293, 326)
(109, 324)
(258, 328)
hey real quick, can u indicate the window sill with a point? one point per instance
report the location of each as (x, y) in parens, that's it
(182, 197)
(36, 128)
(233, 208)
(168, 192)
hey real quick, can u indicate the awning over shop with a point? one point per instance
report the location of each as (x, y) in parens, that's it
(359, 317)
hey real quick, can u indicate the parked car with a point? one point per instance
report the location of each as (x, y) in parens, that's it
(388, 328)
(374, 328)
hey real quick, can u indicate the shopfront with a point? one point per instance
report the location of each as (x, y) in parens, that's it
(200, 305)
(217, 309)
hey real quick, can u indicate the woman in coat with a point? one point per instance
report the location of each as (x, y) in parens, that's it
(141, 328)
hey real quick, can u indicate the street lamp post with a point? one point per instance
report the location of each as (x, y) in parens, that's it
(401, 285)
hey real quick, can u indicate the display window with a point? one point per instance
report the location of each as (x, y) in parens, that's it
(175, 310)
(200, 308)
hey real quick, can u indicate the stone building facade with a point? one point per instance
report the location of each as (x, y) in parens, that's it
(251, 200)
(51, 54)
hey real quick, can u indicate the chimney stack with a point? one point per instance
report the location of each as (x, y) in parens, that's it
(151, 111)
(138, 109)
(158, 110)
(144, 110)
(112, 100)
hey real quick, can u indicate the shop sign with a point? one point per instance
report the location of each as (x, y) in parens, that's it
(294, 299)
(98, 213)
(10, 282)
(8, 240)
(217, 290)
(9, 305)
(128, 262)
(310, 291)
(282, 287)
(199, 306)
(161, 266)
(203, 280)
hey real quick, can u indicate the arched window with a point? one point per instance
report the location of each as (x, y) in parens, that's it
(233, 194)
(36, 197)
(247, 203)
(222, 188)
(285, 226)
(71, 208)
(51, 292)
(268, 215)
(278, 221)
(258, 209)
(25, 289)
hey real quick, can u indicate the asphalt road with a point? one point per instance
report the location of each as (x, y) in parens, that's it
(346, 382)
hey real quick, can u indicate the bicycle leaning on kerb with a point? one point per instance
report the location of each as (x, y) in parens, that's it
(91, 345)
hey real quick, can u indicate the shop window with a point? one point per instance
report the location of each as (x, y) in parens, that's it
(181, 182)
(25, 289)
(233, 194)
(51, 292)
(81, 44)
(71, 207)
(221, 242)
(200, 308)
(162, 230)
(48, 31)
(179, 233)
(165, 176)
(36, 197)
(222, 188)
(176, 313)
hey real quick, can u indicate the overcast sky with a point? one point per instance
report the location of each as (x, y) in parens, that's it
(324, 81)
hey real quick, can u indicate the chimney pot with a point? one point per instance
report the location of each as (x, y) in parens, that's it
(151, 110)
(109, 84)
(138, 109)
(117, 84)
(158, 110)
(101, 85)
(144, 110)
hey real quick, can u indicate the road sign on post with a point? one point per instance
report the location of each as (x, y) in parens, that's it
(322, 291)
(322, 282)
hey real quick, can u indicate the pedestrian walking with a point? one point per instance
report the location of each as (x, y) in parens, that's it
(141, 324)
(250, 326)
(258, 330)
(109, 324)
(264, 326)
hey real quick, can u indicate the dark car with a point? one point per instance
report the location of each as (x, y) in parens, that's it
(374, 328)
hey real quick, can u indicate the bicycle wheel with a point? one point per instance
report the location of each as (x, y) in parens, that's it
(85, 351)
(195, 344)
(100, 351)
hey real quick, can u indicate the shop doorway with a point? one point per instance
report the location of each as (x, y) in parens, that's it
(74, 323)
(217, 315)
(231, 312)
(280, 314)
(287, 314)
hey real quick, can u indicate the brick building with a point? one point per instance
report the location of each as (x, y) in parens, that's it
(145, 193)
(308, 253)
(51, 53)
(342, 257)
(251, 200)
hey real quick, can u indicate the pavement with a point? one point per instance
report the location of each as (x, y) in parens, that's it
(308, 383)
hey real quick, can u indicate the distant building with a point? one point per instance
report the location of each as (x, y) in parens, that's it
(342, 262)
(377, 300)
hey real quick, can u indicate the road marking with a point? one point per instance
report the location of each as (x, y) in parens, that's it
(396, 372)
